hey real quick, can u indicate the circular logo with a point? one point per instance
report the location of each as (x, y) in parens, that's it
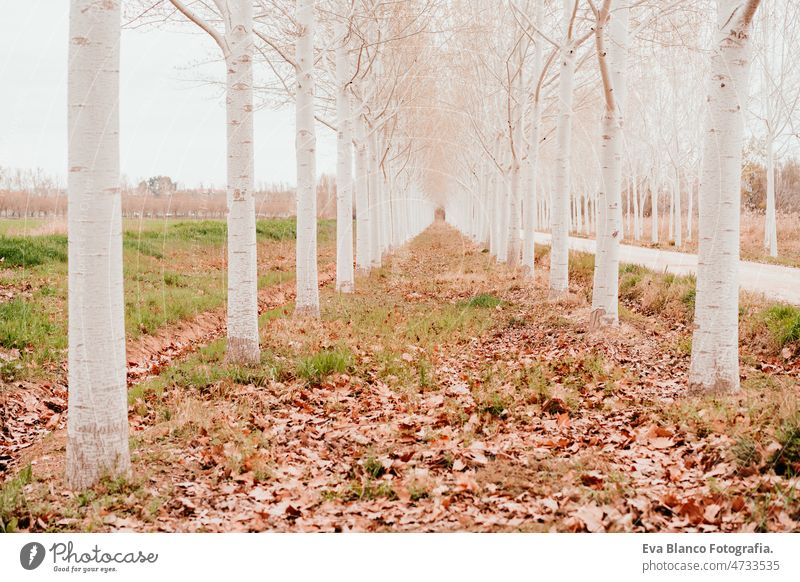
(31, 555)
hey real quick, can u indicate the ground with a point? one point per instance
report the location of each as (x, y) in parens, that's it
(448, 393)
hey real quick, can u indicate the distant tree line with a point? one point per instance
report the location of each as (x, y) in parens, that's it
(33, 193)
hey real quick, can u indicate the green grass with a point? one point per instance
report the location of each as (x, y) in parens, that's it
(374, 468)
(783, 323)
(786, 461)
(316, 367)
(172, 269)
(214, 231)
(146, 247)
(277, 229)
(24, 325)
(368, 489)
(154, 299)
(22, 251)
(12, 500)
(745, 451)
(484, 300)
(206, 370)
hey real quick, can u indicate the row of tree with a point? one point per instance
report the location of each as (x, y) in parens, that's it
(378, 174)
(665, 60)
(500, 199)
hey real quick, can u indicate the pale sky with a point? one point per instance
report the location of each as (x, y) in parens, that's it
(171, 124)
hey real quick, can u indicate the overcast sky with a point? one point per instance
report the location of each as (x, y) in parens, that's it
(171, 124)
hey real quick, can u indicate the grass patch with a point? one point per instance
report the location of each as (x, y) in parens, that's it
(581, 268)
(786, 461)
(142, 246)
(374, 468)
(484, 300)
(494, 404)
(204, 371)
(21, 251)
(12, 500)
(24, 325)
(316, 367)
(783, 323)
(745, 451)
(277, 229)
(368, 489)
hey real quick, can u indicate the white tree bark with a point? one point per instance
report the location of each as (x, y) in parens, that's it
(605, 294)
(678, 211)
(375, 201)
(715, 353)
(654, 210)
(243, 341)
(771, 229)
(307, 302)
(560, 201)
(345, 278)
(637, 225)
(362, 199)
(97, 429)
(671, 228)
(504, 205)
(237, 48)
(516, 133)
(690, 211)
(530, 205)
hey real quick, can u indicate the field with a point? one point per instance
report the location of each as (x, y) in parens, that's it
(446, 394)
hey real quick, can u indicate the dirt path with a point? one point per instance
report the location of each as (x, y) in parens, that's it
(773, 281)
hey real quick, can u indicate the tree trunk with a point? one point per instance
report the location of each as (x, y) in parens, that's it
(243, 341)
(605, 295)
(516, 133)
(560, 201)
(362, 200)
(375, 219)
(97, 429)
(771, 230)
(715, 355)
(654, 211)
(344, 168)
(678, 211)
(690, 211)
(529, 250)
(637, 225)
(307, 302)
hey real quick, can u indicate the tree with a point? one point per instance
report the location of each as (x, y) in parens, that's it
(715, 344)
(605, 292)
(778, 96)
(538, 75)
(97, 430)
(345, 281)
(236, 44)
(307, 302)
(560, 212)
